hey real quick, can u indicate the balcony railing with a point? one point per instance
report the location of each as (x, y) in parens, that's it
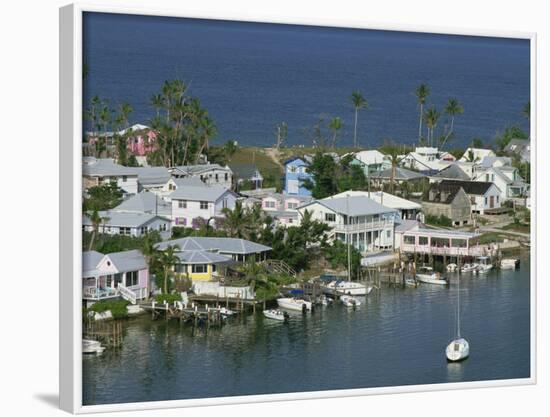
(446, 250)
(363, 227)
(94, 293)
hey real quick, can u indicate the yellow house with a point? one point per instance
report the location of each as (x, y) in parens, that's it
(206, 258)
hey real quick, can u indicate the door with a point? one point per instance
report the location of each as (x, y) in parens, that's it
(492, 201)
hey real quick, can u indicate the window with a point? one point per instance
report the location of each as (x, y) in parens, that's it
(487, 177)
(204, 205)
(270, 204)
(292, 206)
(217, 178)
(181, 221)
(330, 217)
(472, 200)
(423, 240)
(293, 187)
(199, 269)
(224, 203)
(409, 240)
(162, 227)
(143, 230)
(180, 269)
(132, 278)
(388, 233)
(459, 243)
(485, 200)
(292, 168)
(124, 178)
(498, 198)
(124, 231)
(182, 204)
(171, 187)
(290, 220)
(226, 176)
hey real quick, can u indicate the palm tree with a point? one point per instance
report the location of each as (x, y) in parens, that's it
(152, 255)
(157, 101)
(431, 117)
(422, 92)
(168, 259)
(452, 108)
(95, 218)
(359, 103)
(335, 125)
(208, 132)
(235, 220)
(395, 160)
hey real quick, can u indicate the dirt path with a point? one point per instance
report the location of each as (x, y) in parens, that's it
(273, 153)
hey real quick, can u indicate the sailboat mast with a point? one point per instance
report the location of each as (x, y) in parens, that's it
(458, 309)
(349, 238)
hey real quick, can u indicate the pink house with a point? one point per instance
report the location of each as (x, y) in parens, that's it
(119, 274)
(143, 142)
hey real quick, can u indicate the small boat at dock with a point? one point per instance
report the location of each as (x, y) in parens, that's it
(509, 263)
(483, 265)
(346, 287)
(276, 315)
(428, 276)
(459, 348)
(468, 268)
(294, 304)
(92, 346)
(452, 267)
(350, 301)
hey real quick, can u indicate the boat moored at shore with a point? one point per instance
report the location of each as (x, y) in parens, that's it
(276, 315)
(294, 304)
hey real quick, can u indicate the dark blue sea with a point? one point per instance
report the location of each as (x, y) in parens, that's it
(252, 76)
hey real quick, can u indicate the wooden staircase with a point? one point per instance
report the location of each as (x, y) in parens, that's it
(127, 294)
(280, 267)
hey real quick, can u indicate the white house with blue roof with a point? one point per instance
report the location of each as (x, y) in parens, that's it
(295, 176)
(368, 225)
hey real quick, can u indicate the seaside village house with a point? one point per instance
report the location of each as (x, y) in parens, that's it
(406, 209)
(476, 154)
(146, 202)
(401, 175)
(151, 178)
(367, 224)
(520, 148)
(133, 224)
(119, 274)
(484, 196)
(190, 203)
(371, 161)
(414, 238)
(101, 171)
(507, 179)
(210, 174)
(247, 173)
(283, 208)
(452, 202)
(426, 160)
(295, 176)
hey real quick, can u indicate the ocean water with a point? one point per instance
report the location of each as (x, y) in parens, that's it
(252, 76)
(396, 338)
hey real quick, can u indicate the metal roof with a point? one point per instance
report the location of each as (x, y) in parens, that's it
(130, 260)
(218, 244)
(353, 205)
(202, 257)
(145, 202)
(401, 174)
(199, 193)
(124, 219)
(101, 167)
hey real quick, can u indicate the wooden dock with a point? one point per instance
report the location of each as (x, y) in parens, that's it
(193, 313)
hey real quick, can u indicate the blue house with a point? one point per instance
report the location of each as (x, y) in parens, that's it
(295, 175)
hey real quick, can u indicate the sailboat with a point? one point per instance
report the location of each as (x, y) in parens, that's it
(459, 348)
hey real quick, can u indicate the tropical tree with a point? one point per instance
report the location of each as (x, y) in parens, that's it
(95, 218)
(452, 108)
(208, 131)
(422, 92)
(167, 259)
(395, 160)
(335, 125)
(234, 222)
(152, 255)
(359, 102)
(323, 170)
(281, 133)
(431, 117)
(157, 101)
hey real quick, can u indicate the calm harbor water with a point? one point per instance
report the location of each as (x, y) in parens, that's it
(252, 76)
(397, 337)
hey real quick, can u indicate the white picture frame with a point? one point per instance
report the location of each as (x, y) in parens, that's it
(70, 42)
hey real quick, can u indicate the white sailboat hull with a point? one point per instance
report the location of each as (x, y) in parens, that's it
(350, 301)
(457, 350)
(275, 315)
(347, 287)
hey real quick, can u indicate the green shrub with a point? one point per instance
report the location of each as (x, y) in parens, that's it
(169, 298)
(117, 307)
(439, 220)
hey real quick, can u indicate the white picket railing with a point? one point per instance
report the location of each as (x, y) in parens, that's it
(127, 294)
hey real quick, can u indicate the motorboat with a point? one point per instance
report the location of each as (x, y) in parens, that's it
(350, 301)
(276, 315)
(225, 312)
(325, 301)
(468, 268)
(483, 265)
(295, 304)
(509, 263)
(411, 282)
(459, 348)
(452, 267)
(433, 278)
(346, 287)
(92, 346)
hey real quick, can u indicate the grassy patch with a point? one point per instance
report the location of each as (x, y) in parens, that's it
(514, 227)
(116, 307)
(490, 237)
(169, 298)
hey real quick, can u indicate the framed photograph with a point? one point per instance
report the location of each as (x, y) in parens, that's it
(257, 210)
